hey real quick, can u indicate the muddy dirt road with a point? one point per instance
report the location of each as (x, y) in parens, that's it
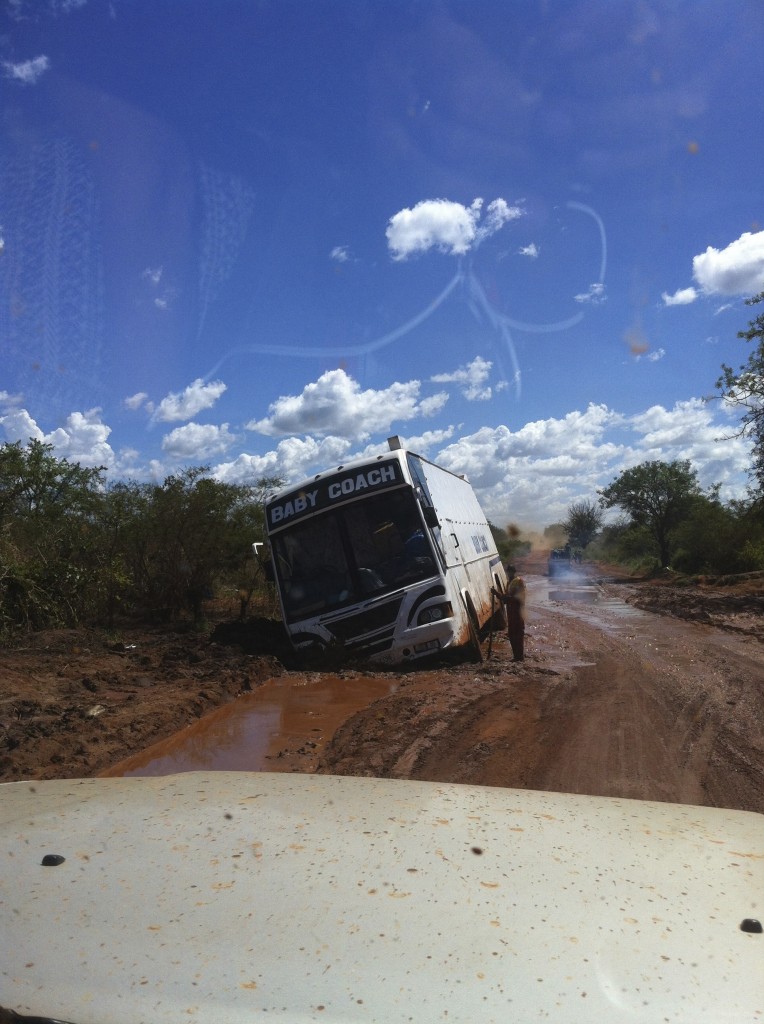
(610, 700)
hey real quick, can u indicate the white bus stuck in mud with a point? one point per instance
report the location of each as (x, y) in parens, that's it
(388, 558)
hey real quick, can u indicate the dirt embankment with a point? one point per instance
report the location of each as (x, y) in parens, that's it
(72, 702)
(665, 707)
(731, 603)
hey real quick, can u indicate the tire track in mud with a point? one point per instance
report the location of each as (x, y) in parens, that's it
(649, 708)
(615, 736)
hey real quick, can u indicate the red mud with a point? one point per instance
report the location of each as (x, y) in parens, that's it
(607, 701)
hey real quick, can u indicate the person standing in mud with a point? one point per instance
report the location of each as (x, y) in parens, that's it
(514, 601)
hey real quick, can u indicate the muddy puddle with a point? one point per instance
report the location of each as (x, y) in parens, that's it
(669, 644)
(573, 592)
(585, 593)
(578, 596)
(282, 725)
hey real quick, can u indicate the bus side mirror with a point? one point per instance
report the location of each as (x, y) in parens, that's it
(430, 516)
(268, 570)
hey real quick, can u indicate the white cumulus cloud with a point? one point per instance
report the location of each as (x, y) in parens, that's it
(472, 377)
(445, 225)
(185, 404)
(198, 441)
(532, 251)
(689, 431)
(291, 460)
(681, 297)
(27, 71)
(83, 437)
(135, 401)
(424, 443)
(736, 270)
(18, 425)
(432, 405)
(336, 405)
(531, 476)
(595, 295)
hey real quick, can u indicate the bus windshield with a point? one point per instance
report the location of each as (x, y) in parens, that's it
(364, 549)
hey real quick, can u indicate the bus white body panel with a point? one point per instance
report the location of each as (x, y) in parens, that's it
(389, 558)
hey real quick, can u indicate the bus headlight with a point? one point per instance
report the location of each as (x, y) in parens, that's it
(434, 614)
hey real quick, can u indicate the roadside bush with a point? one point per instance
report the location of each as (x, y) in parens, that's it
(626, 544)
(48, 561)
(752, 556)
(713, 538)
(190, 533)
(706, 542)
(720, 539)
(75, 550)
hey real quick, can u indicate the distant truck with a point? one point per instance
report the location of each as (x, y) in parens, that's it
(389, 558)
(559, 561)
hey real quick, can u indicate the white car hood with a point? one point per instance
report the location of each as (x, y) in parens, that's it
(232, 897)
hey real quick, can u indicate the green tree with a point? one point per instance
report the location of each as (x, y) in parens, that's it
(73, 549)
(49, 510)
(35, 485)
(195, 531)
(182, 541)
(583, 522)
(707, 539)
(123, 546)
(657, 496)
(744, 389)
(720, 539)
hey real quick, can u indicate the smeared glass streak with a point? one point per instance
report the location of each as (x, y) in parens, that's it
(51, 275)
(562, 325)
(344, 350)
(478, 303)
(603, 237)
(228, 206)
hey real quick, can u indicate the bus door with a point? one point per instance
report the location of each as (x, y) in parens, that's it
(429, 513)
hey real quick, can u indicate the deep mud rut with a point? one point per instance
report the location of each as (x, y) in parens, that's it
(610, 700)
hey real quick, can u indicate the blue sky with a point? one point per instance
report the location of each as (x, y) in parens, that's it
(264, 236)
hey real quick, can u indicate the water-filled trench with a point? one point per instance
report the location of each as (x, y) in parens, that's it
(285, 720)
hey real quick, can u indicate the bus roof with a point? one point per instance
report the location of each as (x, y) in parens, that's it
(398, 453)
(343, 467)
